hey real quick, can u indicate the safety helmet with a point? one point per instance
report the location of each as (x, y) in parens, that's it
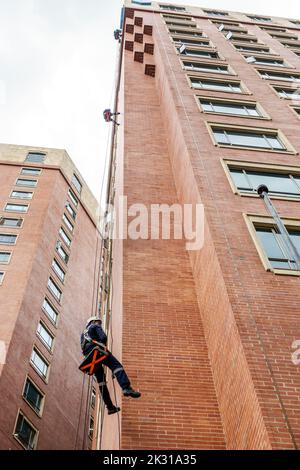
(92, 319)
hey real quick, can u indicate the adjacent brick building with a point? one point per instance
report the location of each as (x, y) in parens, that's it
(49, 253)
(210, 112)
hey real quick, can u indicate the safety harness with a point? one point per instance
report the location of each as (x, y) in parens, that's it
(93, 360)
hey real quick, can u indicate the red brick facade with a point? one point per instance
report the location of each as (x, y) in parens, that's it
(207, 334)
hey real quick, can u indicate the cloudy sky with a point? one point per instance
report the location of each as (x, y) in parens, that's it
(57, 70)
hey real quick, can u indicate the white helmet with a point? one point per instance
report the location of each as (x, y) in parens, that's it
(89, 320)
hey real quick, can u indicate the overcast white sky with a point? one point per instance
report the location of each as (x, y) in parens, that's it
(57, 69)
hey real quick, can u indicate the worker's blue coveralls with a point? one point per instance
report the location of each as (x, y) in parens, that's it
(96, 333)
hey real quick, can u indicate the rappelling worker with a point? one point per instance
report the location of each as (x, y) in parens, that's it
(108, 116)
(92, 336)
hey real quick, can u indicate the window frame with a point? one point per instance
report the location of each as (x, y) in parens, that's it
(62, 280)
(251, 130)
(26, 179)
(35, 368)
(75, 181)
(179, 39)
(2, 276)
(171, 7)
(15, 435)
(187, 32)
(209, 63)
(263, 115)
(20, 220)
(227, 163)
(274, 88)
(39, 336)
(40, 412)
(51, 280)
(73, 197)
(15, 235)
(63, 249)
(32, 152)
(3, 263)
(196, 49)
(258, 49)
(54, 323)
(62, 234)
(19, 197)
(244, 89)
(30, 168)
(293, 109)
(254, 220)
(18, 205)
(71, 230)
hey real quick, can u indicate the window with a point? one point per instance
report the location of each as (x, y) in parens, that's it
(62, 253)
(287, 77)
(182, 24)
(288, 36)
(76, 183)
(206, 67)
(26, 182)
(71, 210)
(191, 42)
(172, 8)
(292, 44)
(31, 171)
(198, 53)
(68, 223)
(1, 277)
(290, 93)
(7, 222)
(36, 157)
(194, 33)
(50, 311)
(93, 398)
(25, 432)
(142, 2)
(244, 38)
(249, 138)
(260, 18)
(241, 48)
(5, 257)
(275, 248)
(7, 239)
(33, 396)
(54, 289)
(296, 110)
(59, 271)
(263, 61)
(16, 207)
(39, 363)
(247, 181)
(91, 428)
(215, 13)
(22, 194)
(203, 84)
(295, 22)
(45, 336)
(64, 236)
(223, 107)
(73, 198)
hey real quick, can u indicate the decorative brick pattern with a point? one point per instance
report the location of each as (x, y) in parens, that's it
(138, 37)
(148, 30)
(149, 48)
(150, 70)
(138, 21)
(139, 57)
(129, 45)
(129, 28)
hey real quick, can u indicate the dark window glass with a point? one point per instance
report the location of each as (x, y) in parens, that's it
(275, 248)
(245, 139)
(25, 432)
(278, 184)
(33, 396)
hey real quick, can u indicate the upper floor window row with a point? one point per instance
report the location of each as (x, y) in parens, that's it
(255, 138)
(205, 84)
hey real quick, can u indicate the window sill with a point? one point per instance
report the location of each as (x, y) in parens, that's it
(238, 147)
(261, 118)
(280, 198)
(284, 272)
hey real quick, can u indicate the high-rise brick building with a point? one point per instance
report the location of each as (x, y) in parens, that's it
(208, 103)
(49, 252)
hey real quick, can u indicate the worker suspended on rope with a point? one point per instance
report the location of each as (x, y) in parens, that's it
(108, 116)
(94, 339)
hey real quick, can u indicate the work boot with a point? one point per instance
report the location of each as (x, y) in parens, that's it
(114, 409)
(129, 392)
